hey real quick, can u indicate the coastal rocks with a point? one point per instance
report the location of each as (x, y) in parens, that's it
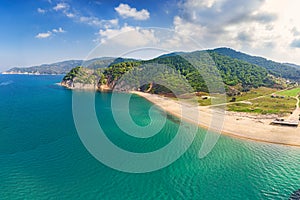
(68, 84)
(82, 86)
(84, 79)
(104, 88)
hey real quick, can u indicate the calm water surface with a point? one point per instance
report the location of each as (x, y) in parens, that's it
(42, 157)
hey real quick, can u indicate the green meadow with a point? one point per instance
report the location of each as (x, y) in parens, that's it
(291, 93)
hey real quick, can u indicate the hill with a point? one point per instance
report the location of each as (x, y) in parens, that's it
(292, 65)
(278, 69)
(195, 67)
(61, 67)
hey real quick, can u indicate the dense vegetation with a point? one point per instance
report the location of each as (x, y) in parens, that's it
(278, 69)
(115, 71)
(197, 68)
(85, 76)
(248, 86)
(178, 71)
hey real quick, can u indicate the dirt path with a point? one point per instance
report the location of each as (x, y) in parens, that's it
(296, 113)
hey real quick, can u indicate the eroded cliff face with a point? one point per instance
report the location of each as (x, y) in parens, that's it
(67, 83)
(81, 86)
(85, 79)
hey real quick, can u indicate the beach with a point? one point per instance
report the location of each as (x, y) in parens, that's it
(239, 125)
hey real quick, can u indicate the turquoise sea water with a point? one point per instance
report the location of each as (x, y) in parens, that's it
(42, 157)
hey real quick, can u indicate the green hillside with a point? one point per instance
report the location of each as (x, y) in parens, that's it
(198, 68)
(278, 69)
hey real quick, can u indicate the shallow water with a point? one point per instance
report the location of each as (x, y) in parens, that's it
(42, 157)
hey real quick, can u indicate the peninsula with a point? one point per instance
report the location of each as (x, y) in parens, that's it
(257, 96)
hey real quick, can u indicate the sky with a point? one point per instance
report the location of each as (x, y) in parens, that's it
(34, 32)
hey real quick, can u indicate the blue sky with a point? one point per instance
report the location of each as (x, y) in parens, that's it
(45, 31)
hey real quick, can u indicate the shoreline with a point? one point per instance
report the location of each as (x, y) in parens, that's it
(235, 125)
(29, 74)
(81, 86)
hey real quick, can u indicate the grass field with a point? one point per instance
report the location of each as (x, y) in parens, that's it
(291, 93)
(253, 93)
(259, 101)
(266, 105)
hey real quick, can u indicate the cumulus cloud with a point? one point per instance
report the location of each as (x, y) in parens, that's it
(125, 11)
(94, 21)
(61, 6)
(70, 15)
(59, 30)
(65, 9)
(217, 14)
(50, 33)
(263, 27)
(244, 36)
(40, 10)
(226, 23)
(295, 43)
(128, 36)
(295, 31)
(43, 35)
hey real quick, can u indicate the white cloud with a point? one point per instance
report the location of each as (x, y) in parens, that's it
(200, 4)
(185, 35)
(43, 35)
(61, 6)
(50, 33)
(94, 21)
(70, 12)
(59, 30)
(128, 36)
(40, 10)
(65, 9)
(70, 15)
(125, 11)
(261, 27)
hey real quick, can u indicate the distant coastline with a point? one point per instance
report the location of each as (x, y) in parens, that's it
(28, 73)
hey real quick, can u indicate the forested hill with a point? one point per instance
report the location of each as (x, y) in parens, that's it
(292, 65)
(63, 67)
(233, 72)
(194, 67)
(279, 69)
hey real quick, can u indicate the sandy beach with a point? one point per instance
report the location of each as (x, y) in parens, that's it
(240, 125)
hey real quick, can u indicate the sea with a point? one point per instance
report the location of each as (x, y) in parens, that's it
(42, 155)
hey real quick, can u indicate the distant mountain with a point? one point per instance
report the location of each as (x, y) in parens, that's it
(55, 68)
(62, 67)
(286, 71)
(292, 65)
